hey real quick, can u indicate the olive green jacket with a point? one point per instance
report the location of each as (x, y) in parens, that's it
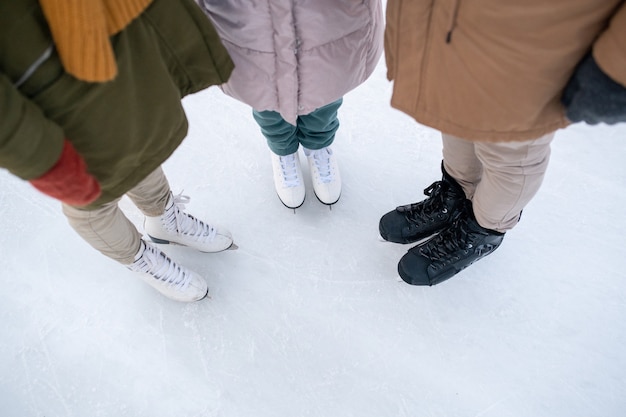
(124, 128)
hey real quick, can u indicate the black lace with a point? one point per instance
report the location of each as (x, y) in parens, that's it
(453, 239)
(416, 213)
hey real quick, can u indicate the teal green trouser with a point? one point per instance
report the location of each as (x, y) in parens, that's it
(315, 130)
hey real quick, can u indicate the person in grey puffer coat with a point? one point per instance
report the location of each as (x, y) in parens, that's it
(294, 61)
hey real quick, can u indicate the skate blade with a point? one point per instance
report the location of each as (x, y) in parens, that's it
(233, 246)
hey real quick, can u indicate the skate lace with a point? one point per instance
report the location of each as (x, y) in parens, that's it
(176, 220)
(289, 170)
(321, 159)
(416, 213)
(443, 246)
(156, 263)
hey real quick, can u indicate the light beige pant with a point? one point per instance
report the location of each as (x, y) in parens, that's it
(500, 178)
(108, 230)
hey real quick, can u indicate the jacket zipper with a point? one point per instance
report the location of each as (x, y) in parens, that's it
(34, 66)
(452, 21)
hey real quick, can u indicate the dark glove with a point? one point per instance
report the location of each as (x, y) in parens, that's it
(593, 97)
(68, 180)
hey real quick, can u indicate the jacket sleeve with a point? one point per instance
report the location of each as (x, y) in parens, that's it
(30, 143)
(609, 50)
(596, 92)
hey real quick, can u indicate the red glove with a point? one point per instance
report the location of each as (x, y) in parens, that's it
(68, 180)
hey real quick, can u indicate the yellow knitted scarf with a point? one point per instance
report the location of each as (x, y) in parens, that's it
(81, 30)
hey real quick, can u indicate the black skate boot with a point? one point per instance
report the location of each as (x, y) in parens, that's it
(413, 222)
(452, 250)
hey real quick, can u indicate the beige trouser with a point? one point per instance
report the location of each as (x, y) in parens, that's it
(108, 230)
(500, 178)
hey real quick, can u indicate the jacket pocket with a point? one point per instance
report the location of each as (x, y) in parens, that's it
(29, 58)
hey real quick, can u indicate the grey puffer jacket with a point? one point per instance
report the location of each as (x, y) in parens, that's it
(294, 57)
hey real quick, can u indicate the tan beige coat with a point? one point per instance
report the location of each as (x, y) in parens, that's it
(494, 70)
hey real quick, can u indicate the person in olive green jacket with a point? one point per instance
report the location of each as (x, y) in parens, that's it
(90, 98)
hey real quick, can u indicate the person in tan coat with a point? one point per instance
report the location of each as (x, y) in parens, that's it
(497, 78)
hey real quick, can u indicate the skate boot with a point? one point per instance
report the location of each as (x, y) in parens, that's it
(452, 250)
(288, 179)
(324, 174)
(413, 222)
(176, 226)
(166, 276)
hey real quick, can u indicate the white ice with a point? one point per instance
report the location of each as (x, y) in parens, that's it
(309, 318)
